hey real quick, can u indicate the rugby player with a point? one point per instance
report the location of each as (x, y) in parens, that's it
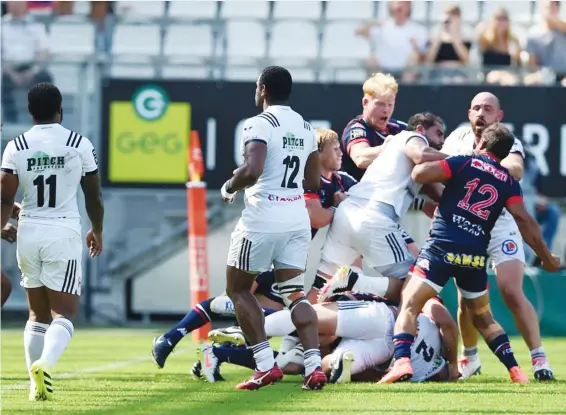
(48, 163)
(505, 248)
(477, 189)
(367, 223)
(9, 234)
(280, 150)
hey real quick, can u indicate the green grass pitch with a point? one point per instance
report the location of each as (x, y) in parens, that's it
(109, 371)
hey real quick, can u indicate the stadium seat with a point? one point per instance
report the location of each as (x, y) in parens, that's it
(139, 41)
(519, 11)
(245, 40)
(183, 40)
(361, 10)
(301, 74)
(244, 9)
(521, 31)
(76, 40)
(354, 75)
(132, 71)
(185, 72)
(297, 9)
(66, 77)
(139, 10)
(197, 9)
(340, 41)
(241, 73)
(470, 10)
(297, 39)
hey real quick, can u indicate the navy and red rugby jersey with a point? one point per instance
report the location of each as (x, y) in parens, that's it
(357, 131)
(474, 197)
(339, 182)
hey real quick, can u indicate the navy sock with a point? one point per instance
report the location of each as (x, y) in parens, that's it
(196, 318)
(268, 311)
(237, 355)
(501, 347)
(403, 343)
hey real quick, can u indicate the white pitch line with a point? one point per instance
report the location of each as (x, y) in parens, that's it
(94, 369)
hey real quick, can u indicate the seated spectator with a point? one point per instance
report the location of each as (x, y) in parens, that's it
(499, 47)
(24, 55)
(450, 47)
(546, 44)
(397, 42)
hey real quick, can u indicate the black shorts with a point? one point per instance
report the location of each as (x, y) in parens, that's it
(437, 265)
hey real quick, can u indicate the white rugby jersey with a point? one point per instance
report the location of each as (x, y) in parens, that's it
(426, 352)
(462, 141)
(50, 161)
(276, 202)
(388, 178)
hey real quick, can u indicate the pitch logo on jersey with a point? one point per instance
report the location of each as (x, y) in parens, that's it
(509, 247)
(41, 161)
(290, 142)
(150, 102)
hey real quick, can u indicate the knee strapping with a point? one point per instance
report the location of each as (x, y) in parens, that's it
(292, 291)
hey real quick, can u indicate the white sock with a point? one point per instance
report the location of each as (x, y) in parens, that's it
(57, 338)
(34, 334)
(263, 356)
(312, 360)
(371, 285)
(471, 353)
(279, 324)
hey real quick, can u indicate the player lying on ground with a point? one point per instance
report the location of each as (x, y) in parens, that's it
(366, 224)
(505, 247)
(477, 189)
(48, 163)
(321, 205)
(9, 234)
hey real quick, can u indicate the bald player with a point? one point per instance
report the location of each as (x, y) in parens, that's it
(505, 248)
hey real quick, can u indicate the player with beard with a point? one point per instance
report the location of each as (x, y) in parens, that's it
(505, 248)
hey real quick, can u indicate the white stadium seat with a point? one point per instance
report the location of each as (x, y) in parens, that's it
(241, 73)
(71, 39)
(188, 40)
(519, 11)
(245, 40)
(132, 71)
(470, 10)
(357, 76)
(66, 77)
(142, 40)
(196, 9)
(301, 74)
(363, 10)
(140, 9)
(340, 41)
(244, 9)
(185, 72)
(293, 39)
(289, 9)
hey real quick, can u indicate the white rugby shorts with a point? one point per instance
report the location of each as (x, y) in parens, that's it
(256, 252)
(364, 320)
(367, 353)
(506, 242)
(356, 231)
(50, 256)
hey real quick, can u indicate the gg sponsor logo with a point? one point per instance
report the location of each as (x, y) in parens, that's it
(465, 260)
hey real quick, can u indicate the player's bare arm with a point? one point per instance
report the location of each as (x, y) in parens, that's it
(248, 173)
(515, 164)
(448, 331)
(9, 186)
(90, 185)
(530, 231)
(418, 151)
(319, 216)
(363, 155)
(430, 172)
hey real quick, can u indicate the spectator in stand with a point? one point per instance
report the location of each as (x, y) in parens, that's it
(450, 46)
(546, 44)
(396, 42)
(499, 48)
(24, 55)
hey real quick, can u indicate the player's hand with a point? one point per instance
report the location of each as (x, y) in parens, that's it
(94, 243)
(339, 197)
(227, 196)
(10, 233)
(16, 211)
(551, 266)
(453, 373)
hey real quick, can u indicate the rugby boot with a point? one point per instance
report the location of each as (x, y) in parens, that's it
(341, 282)
(469, 368)
(341, 371)
(401, 371)
(40, 372)
(542, 370)
(315, 381)
(211, 369)
(160, 350)
(261, 379)
(517, 375)
(196, 370)
(233, 335)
